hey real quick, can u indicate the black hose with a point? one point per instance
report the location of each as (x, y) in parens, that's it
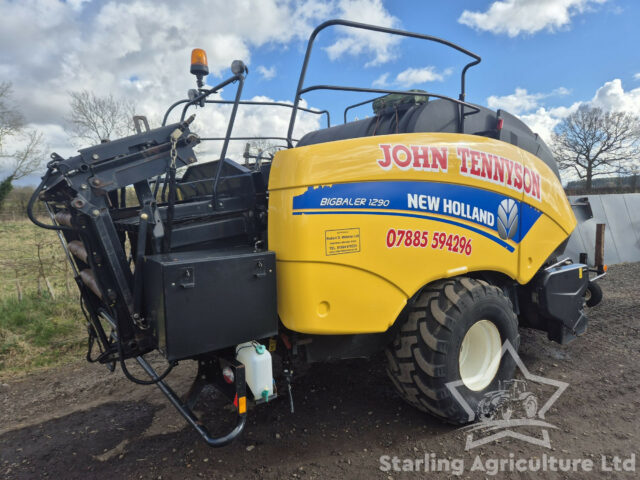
(91, 332)
(32, 201)
(125, 370)
(127, 374)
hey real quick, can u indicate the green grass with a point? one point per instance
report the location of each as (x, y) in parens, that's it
(20, 241)
(38, 332)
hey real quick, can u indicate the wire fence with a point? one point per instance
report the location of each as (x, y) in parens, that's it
(32, 261)
(12, 216)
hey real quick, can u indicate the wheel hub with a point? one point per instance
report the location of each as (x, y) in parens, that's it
(479, 357)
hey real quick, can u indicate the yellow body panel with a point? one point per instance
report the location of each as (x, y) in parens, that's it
(337, 210)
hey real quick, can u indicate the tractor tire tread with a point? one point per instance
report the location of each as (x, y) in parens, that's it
(417, 357)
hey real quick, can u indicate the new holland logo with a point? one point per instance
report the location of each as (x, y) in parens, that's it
(507, 218)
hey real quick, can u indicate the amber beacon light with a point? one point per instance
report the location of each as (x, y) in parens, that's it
(199, 65)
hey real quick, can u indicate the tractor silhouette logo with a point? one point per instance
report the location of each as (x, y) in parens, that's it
(507, 219)
(513, 410)
(511, 400)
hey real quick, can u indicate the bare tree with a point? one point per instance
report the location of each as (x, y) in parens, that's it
(11, 120)
(94, 118)
(30, 156)
(21, 149)
(263, 148)
(592, 142)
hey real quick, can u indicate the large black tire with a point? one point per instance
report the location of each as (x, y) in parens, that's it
(593, 294)
(424, 357)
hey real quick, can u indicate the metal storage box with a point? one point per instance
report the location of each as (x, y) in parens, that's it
(202, 301)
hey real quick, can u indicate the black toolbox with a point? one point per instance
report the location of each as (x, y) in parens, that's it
(202, 301)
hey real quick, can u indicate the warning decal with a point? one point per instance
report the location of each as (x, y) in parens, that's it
(342, 241)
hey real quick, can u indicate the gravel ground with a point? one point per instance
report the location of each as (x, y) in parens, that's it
(80, 422)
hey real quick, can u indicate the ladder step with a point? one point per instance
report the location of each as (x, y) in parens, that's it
(89, 279)
(77, 248)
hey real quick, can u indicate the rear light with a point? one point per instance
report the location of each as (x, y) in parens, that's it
(228, 375)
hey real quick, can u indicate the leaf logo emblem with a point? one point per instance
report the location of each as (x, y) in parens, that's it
(507, 218)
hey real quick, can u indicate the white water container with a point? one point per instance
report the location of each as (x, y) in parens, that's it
(258, 369)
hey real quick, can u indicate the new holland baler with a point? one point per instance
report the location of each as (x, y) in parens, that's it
(431, 230)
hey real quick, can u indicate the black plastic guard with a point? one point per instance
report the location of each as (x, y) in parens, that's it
(560, 293)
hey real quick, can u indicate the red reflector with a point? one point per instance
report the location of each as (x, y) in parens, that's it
(500, 123)
(228, 375)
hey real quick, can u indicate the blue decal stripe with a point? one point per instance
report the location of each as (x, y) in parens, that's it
(497, 240)
(395, 194)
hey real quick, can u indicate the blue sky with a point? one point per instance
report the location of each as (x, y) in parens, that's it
(541, 58)
(594, 48)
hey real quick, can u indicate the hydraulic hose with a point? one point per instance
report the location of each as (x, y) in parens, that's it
(129, 376)
(155, 378)
(32, 201)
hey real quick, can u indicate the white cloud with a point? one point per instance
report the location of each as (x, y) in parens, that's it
(530, 109)
(267, 73)
(417, 76)
(522, 101)
(103, 48)
(636, 76)
(77, 4)
(514, 17)
(413, 77)
(518, 102)
(139, 50)
(381, 81)
(612, 96)
(357, 41)
(543, 119)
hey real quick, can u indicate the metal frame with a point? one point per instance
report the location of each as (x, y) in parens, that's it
(276, 104)
(359, 104)
(250, 102)
(201, 99)
(184, 408)
(300, 90)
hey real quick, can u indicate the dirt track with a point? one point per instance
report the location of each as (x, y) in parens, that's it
(80, 422)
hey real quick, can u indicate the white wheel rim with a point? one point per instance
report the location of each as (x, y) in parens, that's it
(479, 357)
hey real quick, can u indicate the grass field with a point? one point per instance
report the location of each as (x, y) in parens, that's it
(37, 330)
(27, 251)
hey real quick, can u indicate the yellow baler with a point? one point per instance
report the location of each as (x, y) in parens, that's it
(431, 231)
